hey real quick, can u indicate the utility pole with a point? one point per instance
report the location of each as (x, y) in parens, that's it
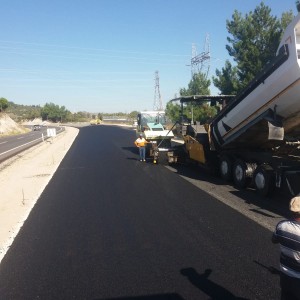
(157, 97)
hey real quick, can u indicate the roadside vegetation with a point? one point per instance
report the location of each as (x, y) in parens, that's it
(54, 113)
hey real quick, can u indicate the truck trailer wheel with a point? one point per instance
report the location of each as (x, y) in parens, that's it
(226, 167)
(242, 173)
(264, 180)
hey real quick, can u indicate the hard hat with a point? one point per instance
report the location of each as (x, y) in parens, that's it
(141, 134)
(295, 204)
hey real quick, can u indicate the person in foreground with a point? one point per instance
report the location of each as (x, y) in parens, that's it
(140, 142)
(287, 234)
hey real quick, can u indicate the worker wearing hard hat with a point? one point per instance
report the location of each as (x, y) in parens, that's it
(140, 142)
(287, 234)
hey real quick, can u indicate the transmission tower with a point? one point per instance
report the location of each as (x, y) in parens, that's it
(157, 98)
(194, 65)
(201, 62)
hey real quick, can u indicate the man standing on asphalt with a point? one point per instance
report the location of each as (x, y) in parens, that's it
(141, 144)
(287, 234)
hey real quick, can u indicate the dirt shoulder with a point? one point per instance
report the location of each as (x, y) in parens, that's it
(22, 180)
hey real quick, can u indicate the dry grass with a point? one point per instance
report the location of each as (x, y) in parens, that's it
(9, 127)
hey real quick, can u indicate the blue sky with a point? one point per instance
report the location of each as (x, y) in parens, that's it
(101, 55)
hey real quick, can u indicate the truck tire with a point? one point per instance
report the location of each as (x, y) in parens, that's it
(264, 180)
(242, 173)
(226, 167)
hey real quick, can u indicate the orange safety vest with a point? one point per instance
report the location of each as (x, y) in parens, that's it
(140, 142)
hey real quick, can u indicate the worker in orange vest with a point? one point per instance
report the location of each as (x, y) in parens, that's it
(140, 142)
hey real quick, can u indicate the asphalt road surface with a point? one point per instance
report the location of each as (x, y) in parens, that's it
(110, 227)
(11, 145)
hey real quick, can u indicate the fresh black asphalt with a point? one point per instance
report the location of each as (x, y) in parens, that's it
(110, 227)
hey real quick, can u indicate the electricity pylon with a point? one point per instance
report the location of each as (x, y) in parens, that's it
(201, 62)
(157, 97)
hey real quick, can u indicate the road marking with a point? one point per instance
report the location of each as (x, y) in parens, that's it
(19, 146)
(3, 142)
(21, 137)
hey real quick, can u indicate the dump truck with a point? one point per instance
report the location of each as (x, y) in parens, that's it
(255, 137)
(153, 126)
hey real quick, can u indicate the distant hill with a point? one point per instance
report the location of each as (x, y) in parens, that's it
(9, 127)
(19, 112)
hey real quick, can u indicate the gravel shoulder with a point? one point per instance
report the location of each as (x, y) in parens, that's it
(22, 180)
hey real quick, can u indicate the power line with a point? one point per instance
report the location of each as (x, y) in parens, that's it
(56, 46)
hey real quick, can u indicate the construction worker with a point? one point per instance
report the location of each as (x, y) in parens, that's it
(287, 234)
(140, 142)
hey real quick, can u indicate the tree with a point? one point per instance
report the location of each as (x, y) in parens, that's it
(53, 112)
(133, 115)
(199, 85)
(69, 117)
(172, 111)
(253, 43)
(3, 104)
(204, 113)
(227, 79)
(100, 117)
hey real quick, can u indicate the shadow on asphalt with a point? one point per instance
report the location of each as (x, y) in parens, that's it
(271, 269)
(131, 149)
(210, 288)
(201, 281)
(277, 203)
(149, 297)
